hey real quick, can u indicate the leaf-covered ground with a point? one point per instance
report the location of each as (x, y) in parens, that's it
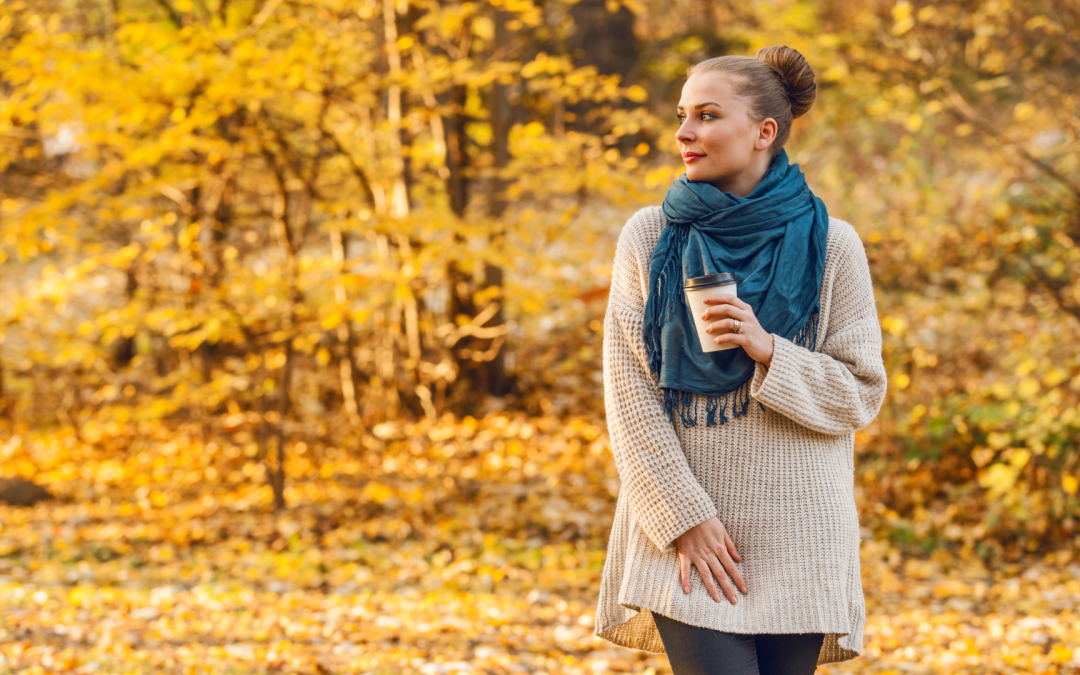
(471, 547)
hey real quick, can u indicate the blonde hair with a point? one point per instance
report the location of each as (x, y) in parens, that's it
(777, 82)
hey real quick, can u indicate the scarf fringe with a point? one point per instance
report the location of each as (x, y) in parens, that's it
(807, 335)
(684, 403)
(661, 312)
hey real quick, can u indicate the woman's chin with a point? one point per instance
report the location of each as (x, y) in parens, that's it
(697, 173)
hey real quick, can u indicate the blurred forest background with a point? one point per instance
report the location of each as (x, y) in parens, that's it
(301, 301)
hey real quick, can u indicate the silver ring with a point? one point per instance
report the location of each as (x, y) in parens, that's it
(738, 325)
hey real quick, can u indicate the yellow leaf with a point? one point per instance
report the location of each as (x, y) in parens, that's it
(483, 27)
(1019, 459)
(1070, 484)
(998, 479)
(377, 492)
(1037, 22)
(1055, 377)
(904, 25)
(982, 456)
(901, 10)
(895, 325)
(1024, 111)
(637, 94)
(1028, 387)
(331, 320)
(1001, 390)
(1026, 366)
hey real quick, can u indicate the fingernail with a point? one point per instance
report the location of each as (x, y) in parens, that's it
(685, 589)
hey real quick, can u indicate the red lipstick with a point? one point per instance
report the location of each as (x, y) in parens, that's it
(691, 156)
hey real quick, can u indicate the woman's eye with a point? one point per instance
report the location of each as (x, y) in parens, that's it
(681, 116)
(707, 116)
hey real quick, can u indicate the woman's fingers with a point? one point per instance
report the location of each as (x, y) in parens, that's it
(723, 324)
(736, 575)
(732, 551)
(705, 570)
(758, 344)
(726, 299)
(729, 312)
(737, 338)
(708, 547)
(722, 311)
(717, 569)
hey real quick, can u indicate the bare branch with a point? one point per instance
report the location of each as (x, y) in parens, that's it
(358, 171)
(963, 111)
(174, 16)
(261, 18)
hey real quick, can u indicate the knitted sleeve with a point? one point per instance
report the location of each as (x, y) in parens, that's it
(663, 494)
(839, 388)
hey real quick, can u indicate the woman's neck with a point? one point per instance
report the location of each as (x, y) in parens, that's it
(744, 183)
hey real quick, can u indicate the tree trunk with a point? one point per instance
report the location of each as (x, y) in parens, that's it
(457, 184)
(399, 194)
(494, 371)
(277, 478)
(346, 340)
(604, 40)
(460, 285)
(289, 240)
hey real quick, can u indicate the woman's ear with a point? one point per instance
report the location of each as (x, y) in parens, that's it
(766, 134)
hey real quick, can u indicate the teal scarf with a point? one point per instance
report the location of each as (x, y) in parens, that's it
(773, 240)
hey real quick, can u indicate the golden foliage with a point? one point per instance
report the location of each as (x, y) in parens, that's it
(463, 546)
(275, 225)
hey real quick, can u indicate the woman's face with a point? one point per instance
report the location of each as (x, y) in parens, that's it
(719, 142)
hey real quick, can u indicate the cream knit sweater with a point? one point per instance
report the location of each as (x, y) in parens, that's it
(780, 480)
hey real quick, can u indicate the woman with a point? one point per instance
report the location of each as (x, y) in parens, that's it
(735, 546)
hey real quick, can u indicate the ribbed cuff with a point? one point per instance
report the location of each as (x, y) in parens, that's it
(768, 383)
(699, 515)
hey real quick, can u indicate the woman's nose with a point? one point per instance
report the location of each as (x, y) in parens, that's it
(684, 134)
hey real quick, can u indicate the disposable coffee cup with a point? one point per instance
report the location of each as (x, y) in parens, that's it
(699, 288)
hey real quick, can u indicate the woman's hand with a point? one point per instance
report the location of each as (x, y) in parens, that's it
(723, 308)
(707, 546)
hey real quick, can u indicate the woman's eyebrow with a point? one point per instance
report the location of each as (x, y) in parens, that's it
(699, 106)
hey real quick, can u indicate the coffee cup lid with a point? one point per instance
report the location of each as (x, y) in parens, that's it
(709, 280)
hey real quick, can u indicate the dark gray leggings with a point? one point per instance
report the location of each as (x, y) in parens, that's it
(703, 651)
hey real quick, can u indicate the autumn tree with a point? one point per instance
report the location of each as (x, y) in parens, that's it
(267, 198)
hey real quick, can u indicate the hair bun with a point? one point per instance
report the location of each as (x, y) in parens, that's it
(795, 74)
